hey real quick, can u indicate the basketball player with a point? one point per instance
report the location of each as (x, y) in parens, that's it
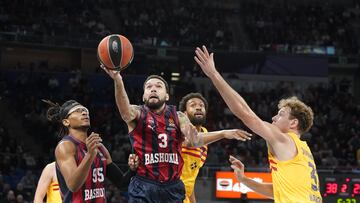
(195, 107)
(82, 162)
(293, 171)
(48, 185)
(157, 132)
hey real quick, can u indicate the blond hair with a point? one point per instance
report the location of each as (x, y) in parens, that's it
(300, 111)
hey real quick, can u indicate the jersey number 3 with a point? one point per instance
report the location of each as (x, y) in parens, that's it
(314, 177)
(164, 140)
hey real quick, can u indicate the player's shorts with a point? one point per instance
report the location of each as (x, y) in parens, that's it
(143, 190)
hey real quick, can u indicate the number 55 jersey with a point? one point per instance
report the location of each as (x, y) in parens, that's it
(93, 190)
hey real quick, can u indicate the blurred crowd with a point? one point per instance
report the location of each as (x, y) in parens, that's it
(333, 139)
(285, 25)
(156, 23)
(277, 26)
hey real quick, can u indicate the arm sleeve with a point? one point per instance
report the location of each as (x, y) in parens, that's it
(120, 179)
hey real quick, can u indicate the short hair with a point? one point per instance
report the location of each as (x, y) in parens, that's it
(157, 77)
(300, 111)
(186, 98)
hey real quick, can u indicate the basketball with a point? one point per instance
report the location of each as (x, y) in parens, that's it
(115, 52)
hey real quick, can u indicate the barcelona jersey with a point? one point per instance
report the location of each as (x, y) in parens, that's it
(295, 180)
(194, 159)
(53, 193)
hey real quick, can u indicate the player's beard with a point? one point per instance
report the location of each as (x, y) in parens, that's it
(197, 121)
(155, 105)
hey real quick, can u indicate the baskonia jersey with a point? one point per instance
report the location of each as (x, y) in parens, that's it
(194, 159)
(157, 140)
(295, 180)
(93, 190)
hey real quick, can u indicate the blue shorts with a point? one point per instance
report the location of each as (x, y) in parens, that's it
(142, 190)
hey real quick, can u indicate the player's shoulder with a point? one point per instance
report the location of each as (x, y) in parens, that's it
(50, 166)
(65, 147)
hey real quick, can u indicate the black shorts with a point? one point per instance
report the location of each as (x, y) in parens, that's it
(142, 190)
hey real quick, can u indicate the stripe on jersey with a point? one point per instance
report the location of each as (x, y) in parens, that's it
(168, 132)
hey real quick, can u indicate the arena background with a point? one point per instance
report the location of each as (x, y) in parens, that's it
(266, 50)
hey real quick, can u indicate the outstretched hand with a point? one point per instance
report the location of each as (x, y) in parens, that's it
(237, 134)
(238, 167)
(112, 73)
(205, 61)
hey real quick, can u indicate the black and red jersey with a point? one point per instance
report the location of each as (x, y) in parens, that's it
(157, 141)
(93, 190)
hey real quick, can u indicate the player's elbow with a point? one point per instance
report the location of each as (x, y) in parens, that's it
(244, 114)
(73, 187)
(250, 119)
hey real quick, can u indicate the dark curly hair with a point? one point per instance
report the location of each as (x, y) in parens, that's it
(186, 98)
(57, 113)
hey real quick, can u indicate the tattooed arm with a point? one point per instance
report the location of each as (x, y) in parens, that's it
(127, 111)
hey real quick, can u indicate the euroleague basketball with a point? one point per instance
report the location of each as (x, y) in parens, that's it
(115, 52)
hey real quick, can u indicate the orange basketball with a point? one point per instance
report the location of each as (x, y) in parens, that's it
(115, 52)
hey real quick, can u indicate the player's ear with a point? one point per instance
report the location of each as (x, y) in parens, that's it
(294, 122)
(66, 122)
(167, 97)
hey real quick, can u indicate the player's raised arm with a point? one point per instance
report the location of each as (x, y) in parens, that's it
(235, 102)
(127, 111)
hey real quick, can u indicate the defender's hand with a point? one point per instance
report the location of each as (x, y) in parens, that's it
(238, 167)
(237, 134)
(205, 61)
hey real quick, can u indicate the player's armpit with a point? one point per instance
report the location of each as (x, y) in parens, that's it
(134, 113)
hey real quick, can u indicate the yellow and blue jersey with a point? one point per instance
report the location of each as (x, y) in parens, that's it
(295, 180)
(53, 193)
(194, 158)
